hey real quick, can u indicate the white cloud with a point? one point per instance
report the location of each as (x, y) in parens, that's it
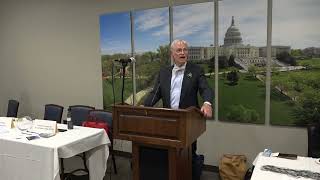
(190, 20)
(163, 31)
(295, 22)
(152, 18)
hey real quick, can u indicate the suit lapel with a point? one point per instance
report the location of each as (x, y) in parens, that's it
(167, 83)
(185, 83)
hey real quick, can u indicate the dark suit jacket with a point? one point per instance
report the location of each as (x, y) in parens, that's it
(194, 81)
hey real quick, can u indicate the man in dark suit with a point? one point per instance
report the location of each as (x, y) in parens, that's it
(178, 85)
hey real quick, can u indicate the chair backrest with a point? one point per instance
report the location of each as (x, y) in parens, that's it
(79, 113)
(313, 140)
(53, 112)
(102, 115)
(13, 106)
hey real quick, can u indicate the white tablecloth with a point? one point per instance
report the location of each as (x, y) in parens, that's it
(21, 159)
(302, 163)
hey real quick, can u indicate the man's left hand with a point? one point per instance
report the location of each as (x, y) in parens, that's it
(206, 109)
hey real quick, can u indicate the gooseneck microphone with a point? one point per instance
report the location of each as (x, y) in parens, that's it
(154, 95)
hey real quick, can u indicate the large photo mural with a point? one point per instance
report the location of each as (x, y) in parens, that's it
(242, 52)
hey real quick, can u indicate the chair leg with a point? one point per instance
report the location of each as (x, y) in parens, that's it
(85, 169)
(62, 169)
(84, 162)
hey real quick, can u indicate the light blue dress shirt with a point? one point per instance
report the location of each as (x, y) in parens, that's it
(176, 84)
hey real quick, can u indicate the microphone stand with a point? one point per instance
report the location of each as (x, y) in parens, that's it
(124, 64)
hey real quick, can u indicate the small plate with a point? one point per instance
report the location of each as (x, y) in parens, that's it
(318, 161)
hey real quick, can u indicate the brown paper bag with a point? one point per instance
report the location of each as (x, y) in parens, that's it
(232, 167)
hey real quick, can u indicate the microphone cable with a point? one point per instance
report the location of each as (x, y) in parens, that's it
(112, 82)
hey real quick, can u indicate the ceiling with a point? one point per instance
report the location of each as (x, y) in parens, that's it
(127, 5)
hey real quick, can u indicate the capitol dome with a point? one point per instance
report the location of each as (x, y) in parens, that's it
(233, 35)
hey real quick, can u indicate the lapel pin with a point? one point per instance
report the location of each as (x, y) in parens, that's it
(189, 75)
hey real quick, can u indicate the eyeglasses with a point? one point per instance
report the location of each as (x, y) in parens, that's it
(179, 50)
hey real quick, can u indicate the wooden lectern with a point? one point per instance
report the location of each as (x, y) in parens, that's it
(173, 130)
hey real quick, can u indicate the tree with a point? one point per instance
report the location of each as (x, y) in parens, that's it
(233, 77)
(311, 52)
(240, 113)
(222, 63)
(231, 61)
(164, 54)
(308, 108)
(252, 69)
(296, 52)
(298, 82)
(147, 57)
(307, 65)
(211, 65)
(285, 57)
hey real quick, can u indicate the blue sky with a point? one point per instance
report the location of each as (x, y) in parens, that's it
(151, 29)
(295, 23)
(115, 33)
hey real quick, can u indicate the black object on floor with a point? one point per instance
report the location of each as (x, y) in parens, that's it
(197, 166)
(75, 177)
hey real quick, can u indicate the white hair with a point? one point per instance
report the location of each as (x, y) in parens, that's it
(178, 41)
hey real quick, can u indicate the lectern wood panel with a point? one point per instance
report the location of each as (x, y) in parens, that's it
(149, 126)
(157, 126)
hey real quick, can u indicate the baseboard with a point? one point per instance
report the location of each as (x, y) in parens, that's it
(122, 153)
(129, 155)
(211, 168)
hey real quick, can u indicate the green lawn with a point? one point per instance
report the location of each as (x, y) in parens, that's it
(304, 78)
(281, 109)
(250, 93)
(314, 62)
(108, 95)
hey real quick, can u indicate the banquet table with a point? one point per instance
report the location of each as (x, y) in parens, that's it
(38, 159)
(300, 166)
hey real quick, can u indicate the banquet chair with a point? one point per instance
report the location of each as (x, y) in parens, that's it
(313, 140)
(79, 113)
(13, 106)
(106, 117)
(53, 112)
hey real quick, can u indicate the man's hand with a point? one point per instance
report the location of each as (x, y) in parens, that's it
(206, 109)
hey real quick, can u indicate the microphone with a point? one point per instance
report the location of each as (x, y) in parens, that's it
(132, 59)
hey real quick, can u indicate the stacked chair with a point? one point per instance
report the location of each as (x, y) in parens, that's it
(313, 140)
(53, 112)
(13, 106)
(79, 114)
(106, 116)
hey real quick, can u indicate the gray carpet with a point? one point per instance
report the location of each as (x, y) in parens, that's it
(125, 173)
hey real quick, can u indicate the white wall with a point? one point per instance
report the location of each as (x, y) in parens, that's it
(224, 138)
(50, 53)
